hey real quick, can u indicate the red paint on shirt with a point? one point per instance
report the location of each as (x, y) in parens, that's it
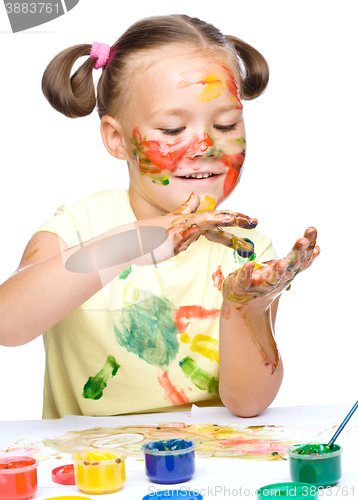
(176, 396)
(218, 278)
(193, 312)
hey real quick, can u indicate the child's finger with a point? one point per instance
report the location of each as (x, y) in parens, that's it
(190, 206)
(244, 276)
(315, 254)
(188, 237)
(228, 239)
(226, 217)
(275, 273)
(311, 235)
(297, 254)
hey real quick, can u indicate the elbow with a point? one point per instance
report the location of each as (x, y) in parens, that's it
(247, 410)
(7, 340)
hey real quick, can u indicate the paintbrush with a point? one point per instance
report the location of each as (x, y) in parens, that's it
(342, 426)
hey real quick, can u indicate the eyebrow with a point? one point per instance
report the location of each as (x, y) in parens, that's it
(182, 112)
(167, 112)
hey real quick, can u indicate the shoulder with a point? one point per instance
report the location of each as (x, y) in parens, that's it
(99, 200)
(89, 216)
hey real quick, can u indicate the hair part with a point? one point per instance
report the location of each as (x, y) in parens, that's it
(74, 96)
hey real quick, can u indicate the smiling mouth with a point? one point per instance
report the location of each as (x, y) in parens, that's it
(197, 176)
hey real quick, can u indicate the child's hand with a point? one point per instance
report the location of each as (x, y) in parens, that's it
(255, 286)
(185, 226)
(186, 230)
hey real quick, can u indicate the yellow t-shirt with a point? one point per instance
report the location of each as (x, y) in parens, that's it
(149, 339)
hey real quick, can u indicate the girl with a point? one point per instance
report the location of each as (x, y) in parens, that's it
(130, 301)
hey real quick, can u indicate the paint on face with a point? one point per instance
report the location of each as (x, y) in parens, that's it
(148, 329)
(232, 155)
(218, 278)
(175, 395)
(94, 387)
(185, 314)
(204, 380)
(125, 273)
(214, 81)
(158, 159)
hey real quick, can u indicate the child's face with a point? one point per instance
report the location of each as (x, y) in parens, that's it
(184, 118)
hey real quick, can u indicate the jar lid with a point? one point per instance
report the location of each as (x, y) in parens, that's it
(65, 474)
(289, 489)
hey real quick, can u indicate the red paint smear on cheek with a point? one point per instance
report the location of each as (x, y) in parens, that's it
(193, 312)
(163, 155)
(234, 162)
(218, 278)
(172, 394)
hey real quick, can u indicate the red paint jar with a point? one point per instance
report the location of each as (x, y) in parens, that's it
(18, 477)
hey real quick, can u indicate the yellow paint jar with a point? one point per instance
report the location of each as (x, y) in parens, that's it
(99, 471)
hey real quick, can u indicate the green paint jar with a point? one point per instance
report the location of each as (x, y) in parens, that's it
(321, 468)
(290, 490)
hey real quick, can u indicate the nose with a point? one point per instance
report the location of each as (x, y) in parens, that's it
(201, 146)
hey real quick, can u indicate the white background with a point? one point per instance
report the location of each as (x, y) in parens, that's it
(300, 170)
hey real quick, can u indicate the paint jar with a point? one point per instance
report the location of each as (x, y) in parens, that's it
(18, 477)
(169, 461)
(321, 468)
(99, 472)
(291, 490)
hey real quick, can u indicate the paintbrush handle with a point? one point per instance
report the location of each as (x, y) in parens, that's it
(343, 424)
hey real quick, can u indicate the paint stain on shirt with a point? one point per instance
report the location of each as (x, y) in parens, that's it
(201, 378)
(175, 395)
(207, 346)
(148, 329)
(94, 387)
(218, 278)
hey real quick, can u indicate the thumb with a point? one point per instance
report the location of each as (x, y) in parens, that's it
(190, 206)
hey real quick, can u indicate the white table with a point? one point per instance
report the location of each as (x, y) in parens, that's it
(220, 478)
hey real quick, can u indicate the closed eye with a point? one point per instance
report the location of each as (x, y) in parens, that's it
(225, 128)
(172, 131)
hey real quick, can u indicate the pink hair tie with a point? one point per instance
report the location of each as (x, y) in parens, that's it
(101, 52)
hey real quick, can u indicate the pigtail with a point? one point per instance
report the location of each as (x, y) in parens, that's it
(73, 96)
(256, 71)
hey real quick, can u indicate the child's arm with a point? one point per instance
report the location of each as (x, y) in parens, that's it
(251, 369)
(50, 284)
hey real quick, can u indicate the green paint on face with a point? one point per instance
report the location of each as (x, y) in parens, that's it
(94, 387)
(201, 378)
(148, 329)
(125, 273)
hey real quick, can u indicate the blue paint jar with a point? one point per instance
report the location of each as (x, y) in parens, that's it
(169, 461)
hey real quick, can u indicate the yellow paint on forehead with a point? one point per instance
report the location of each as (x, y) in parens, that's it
(215, 81)
(213, 84)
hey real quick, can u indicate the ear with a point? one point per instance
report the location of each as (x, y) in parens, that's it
(112, 137)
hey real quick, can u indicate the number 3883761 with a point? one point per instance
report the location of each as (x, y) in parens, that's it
(32, 8)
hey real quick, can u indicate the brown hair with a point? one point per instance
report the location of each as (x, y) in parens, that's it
(74, 96)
